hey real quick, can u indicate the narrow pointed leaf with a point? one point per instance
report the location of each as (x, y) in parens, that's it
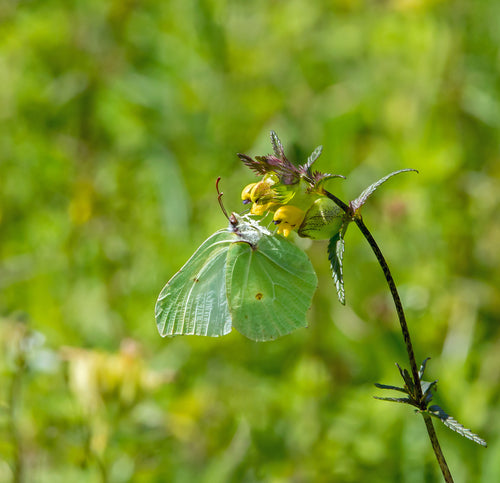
(454, 425)
(422, 368)
(336, 256)
(255, 165)
(428, 387)
(406, 378)
(361, 199)
(403, 400)
(394, 388)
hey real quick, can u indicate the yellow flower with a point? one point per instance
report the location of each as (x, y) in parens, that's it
(261, 194)
(288, 218)
(246, 193)
(258, 209)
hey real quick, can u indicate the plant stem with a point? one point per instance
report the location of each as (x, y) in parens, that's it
(404, 328)
(397, 303)
(409, 348)
(392, 286)
(437, 448)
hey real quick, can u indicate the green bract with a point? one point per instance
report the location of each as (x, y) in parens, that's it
(242, 277)
(322, 220)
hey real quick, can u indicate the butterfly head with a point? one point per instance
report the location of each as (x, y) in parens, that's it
(247, 229)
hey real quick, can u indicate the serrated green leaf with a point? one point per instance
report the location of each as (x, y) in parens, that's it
(277, 146)
(336, 255)
(313, 157)
(454, 425)
(361, 199)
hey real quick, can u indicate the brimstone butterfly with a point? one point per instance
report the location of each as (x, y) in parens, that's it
(244, 277)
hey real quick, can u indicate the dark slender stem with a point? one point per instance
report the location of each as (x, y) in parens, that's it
(397, 303)
(437, 448)
(392, 286)
(404, 328)
(338, 202)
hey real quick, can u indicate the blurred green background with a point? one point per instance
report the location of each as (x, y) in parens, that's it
(117, 117)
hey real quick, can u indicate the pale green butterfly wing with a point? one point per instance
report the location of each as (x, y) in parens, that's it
(244, 276)
(194, 301)
(270, 286)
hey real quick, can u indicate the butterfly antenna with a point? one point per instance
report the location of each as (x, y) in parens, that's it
(219, 198)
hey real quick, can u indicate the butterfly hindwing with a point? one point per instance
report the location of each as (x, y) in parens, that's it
(269, 287)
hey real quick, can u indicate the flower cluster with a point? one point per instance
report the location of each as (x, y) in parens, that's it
(293, 193)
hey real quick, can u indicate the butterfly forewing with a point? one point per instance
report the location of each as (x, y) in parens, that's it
(194, 301)
(269, 287)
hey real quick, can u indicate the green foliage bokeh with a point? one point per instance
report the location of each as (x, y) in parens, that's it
(117, 117)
